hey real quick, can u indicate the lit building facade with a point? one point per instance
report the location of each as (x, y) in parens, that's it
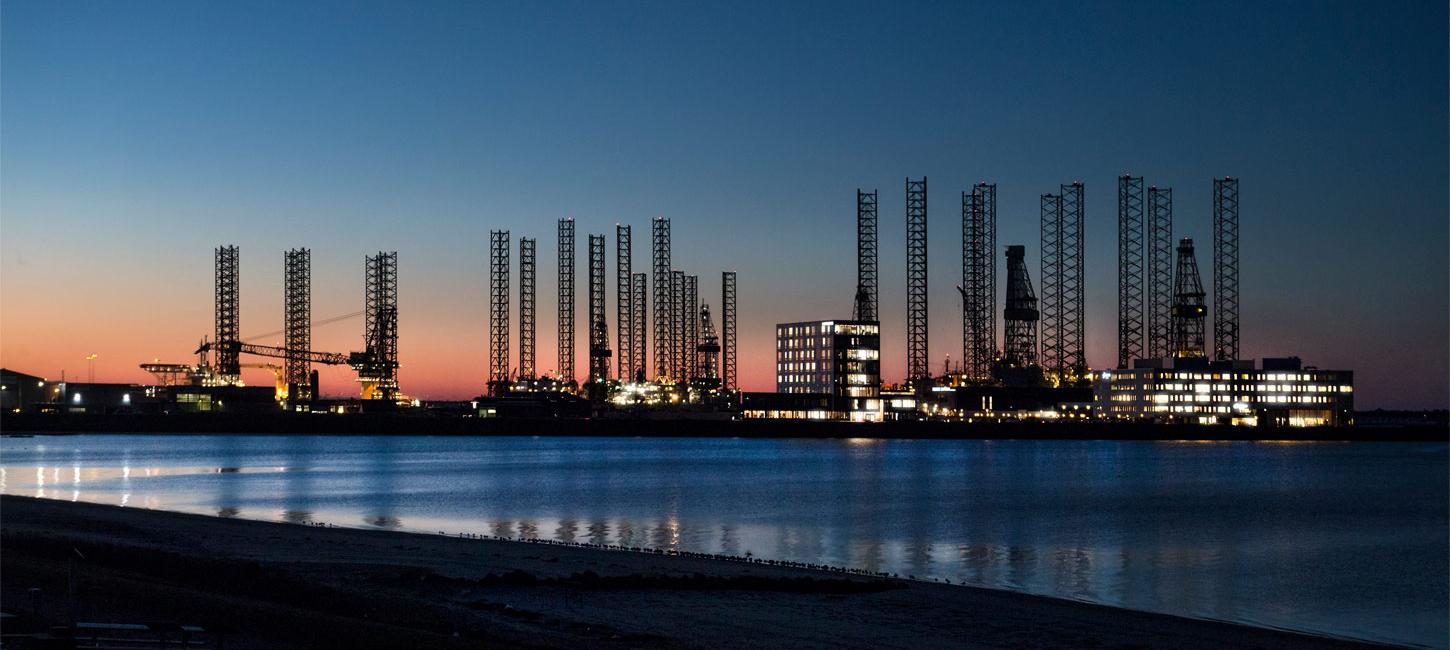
(1281, 393)
(838, 359)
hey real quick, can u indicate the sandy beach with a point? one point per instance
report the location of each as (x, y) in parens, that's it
(270, 585)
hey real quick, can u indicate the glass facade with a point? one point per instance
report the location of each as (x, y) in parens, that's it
(1307, 397)
(841, 359)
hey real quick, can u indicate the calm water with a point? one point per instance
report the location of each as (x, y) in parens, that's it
(1344, 539)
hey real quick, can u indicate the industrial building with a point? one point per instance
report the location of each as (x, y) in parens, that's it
(839, 360)
(21, 392)
(25, 393)
(1280, 393)
(978, 402)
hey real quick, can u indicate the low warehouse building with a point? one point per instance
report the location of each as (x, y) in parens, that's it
(1280, 393)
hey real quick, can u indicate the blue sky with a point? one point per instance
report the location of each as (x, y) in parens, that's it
(134, 137)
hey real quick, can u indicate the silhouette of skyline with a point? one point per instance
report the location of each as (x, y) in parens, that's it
(137, 137)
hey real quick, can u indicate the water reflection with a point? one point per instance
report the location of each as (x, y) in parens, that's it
(528, 530)
(922, 511)
(296, 486)
(566, 530)
(383, 497)
(729, 542)
(1071, 568)
(1273, 534)
(625, 535)
(230, 457)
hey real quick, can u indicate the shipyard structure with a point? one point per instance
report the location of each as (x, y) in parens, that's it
(666, 355)
(1172, 366)
(659, 353)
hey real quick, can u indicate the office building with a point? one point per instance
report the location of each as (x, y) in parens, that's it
(839, 360)
(1280, 393)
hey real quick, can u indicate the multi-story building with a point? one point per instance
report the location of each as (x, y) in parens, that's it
(1280, 393)
(840, 360)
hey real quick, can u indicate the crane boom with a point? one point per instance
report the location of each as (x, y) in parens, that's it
(326, 358)
(315, 323)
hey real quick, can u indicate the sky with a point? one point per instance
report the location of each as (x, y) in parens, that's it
(135, 137)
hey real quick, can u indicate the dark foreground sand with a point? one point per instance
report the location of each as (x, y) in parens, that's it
(288, 585)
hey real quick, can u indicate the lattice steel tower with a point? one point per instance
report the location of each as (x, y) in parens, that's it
(498, 311)
(624, 299)
(677, 325)
(638, 325)
(297, 323)
(528, 366)
(1188, 308)
(988, 194)
(1019, 318)
(566, 301)
(727, 330)
(1051, 276)
(599, 351)
(1226, 268)
(968, 288)
(867, 296)
(1130, 269)
(378, 370)
(664, 314)
(1063, 283)
(1160, 272)
(1074, 308)
(228, 314)
(690, 342)
(979, 288)
(916, 286)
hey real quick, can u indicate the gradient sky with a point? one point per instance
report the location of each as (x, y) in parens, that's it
(136, 136)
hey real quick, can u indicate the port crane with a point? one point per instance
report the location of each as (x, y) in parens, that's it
(370, 371)
(275, 352)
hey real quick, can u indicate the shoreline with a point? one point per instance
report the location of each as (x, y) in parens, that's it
(420, 424)
(378, 588)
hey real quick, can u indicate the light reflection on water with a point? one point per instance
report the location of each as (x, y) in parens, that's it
(1346, 539)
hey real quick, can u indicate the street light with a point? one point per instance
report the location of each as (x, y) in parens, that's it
(91, 368)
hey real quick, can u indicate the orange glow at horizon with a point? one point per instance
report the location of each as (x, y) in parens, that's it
(442, 357)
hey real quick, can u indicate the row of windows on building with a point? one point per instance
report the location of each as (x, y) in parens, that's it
(800, 344)
(1203, 398)
(827, 327)
(811, 329)
(1256, 376)
(1226, 387)
(853, 354)
(799, 366)
(811, 366)
(1191, 409)
(800, 386)
(857, 330)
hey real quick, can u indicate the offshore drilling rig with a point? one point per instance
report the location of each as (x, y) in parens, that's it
(690, 362)
(219, 360)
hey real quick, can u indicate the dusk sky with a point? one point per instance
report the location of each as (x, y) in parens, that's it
(137, 136)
